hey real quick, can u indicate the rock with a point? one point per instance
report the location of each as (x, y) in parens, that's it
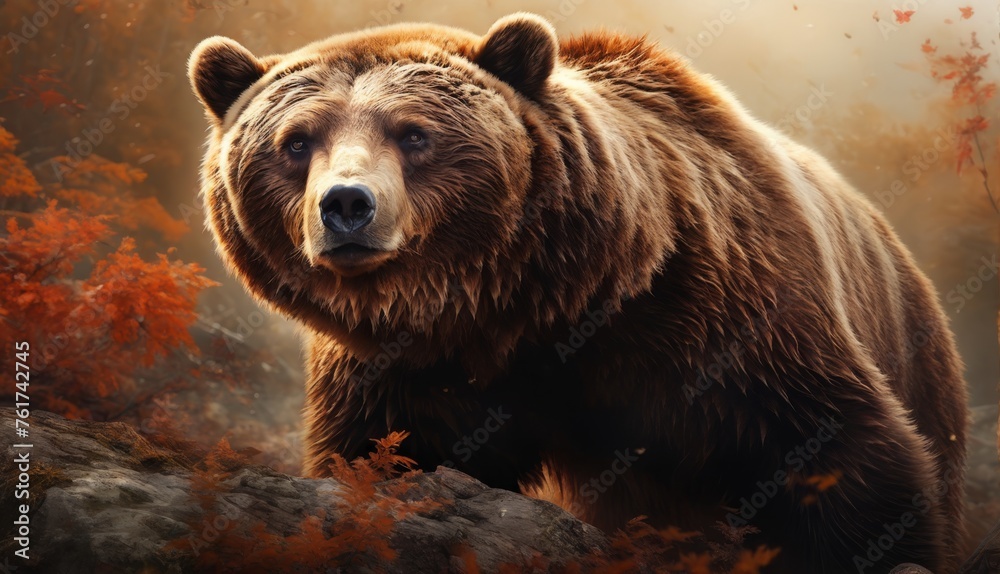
(104, 499)
(985, 559)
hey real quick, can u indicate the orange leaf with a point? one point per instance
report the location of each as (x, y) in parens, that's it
(467, 555)
(52, 98)
(675, 534)
(976, 124)
(823, 482)
(751, 562)
(696, 563)
(966, 12)
(902, 17)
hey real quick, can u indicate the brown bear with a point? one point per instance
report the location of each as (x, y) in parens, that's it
(580, 268)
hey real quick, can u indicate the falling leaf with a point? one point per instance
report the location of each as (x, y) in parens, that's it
(902, 17)
(966, 12)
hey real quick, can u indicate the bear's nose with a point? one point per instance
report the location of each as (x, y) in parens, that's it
(347, 208)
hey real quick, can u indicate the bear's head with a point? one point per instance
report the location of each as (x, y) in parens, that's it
(380, 181)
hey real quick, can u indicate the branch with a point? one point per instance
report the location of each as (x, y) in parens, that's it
(982, 169)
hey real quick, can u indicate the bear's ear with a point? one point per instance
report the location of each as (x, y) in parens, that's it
(220, 70)
(520, 49)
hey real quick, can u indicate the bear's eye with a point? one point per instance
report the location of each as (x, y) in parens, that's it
(413, 140)
(298, 146)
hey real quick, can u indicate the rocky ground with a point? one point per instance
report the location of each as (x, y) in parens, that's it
(106, 500)
(115, 503)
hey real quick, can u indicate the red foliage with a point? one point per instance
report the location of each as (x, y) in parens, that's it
(640, 547)
(750, 562)
(355, 535)
(15, 177)
(964, 73)
(367, 519)
(95, 185)
(148, 305)
(43, 88)
(970, 94)
(89, 335)
(93, 318)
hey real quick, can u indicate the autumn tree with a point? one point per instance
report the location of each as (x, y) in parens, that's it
(92, 236)
(89, 331)
(970, 96)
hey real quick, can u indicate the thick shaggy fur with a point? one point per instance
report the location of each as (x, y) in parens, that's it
(751, 293)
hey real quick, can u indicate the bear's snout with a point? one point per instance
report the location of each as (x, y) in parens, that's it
(346, 209)
(354, 232)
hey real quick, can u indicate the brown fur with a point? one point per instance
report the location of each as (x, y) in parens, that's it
(752, 293)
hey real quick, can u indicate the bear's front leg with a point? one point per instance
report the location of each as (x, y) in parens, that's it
(486, 433)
